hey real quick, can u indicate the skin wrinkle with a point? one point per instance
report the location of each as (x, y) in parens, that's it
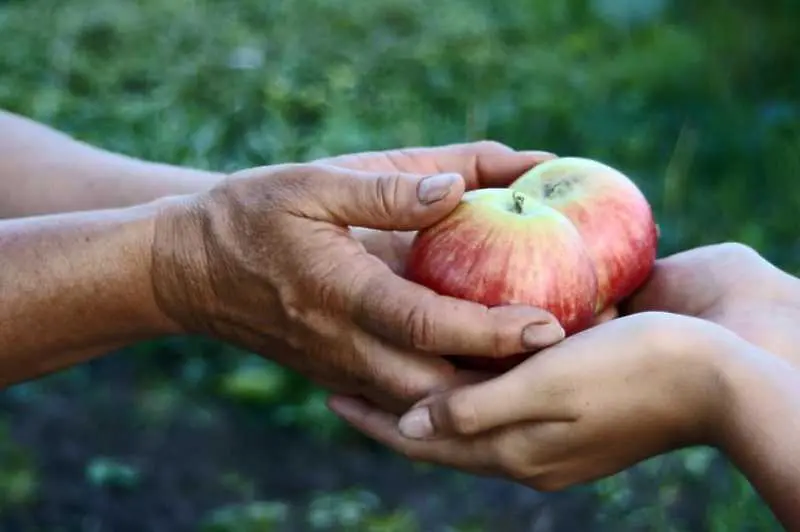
(179, 266)
(256, 245)
(211, 256)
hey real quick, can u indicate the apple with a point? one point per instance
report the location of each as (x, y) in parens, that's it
(611, 214)
(500, 246)
(572, 236)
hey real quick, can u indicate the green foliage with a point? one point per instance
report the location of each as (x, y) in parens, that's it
(247, 517)
(19, 479)
(106, 472)
(695, 100)
(350, 510)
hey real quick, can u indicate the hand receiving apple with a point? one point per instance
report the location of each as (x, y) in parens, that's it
(587, 407)
(732, 285)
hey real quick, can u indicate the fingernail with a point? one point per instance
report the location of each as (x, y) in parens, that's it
(541, 335)
(416, 424)
(436, 187)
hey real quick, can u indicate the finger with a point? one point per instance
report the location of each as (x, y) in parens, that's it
(391, 247)
(495, 165)
(662, 291)
(482, 163)
(415, 317)
(690, 282)
(382, 427)
(394, 378)
(530, 392)
(379, 200)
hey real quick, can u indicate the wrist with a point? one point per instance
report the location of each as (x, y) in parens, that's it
(178, 180)
(700, 358)
(746, 376)
(179, 269)
(700, 350)
(135, 251)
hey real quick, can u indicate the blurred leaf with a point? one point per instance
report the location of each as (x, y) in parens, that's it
(343, 510)
(257, 382)
(259, 516)
(105, 472)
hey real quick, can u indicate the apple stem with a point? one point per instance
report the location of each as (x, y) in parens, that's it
(519, 201)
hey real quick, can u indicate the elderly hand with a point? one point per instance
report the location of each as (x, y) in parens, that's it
(732, 285)
(585, 408)
(482, 164)
(267, 262)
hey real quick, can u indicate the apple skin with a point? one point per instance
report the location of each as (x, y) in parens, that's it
(611, 214)
(500, 247)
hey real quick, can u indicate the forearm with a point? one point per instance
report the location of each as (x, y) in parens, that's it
(74, 286)
(43, 171)
(761, 436)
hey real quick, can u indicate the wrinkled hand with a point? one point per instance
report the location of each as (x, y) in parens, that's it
(732, 285)
(266, 262)
(482, 164)
(585, 408)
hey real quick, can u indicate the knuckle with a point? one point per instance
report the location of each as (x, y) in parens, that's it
(513, 459)
(461, 414)
(498, 346)
(398, 389)
(293, 184)
(388, 194)
(491, 330)
(421, 328)
(491, 146)
(734, 258)
(295, 176)
(738, 252)
(416, 387)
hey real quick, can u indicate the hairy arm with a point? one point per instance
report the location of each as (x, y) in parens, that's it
(43, 171)
(74, 286)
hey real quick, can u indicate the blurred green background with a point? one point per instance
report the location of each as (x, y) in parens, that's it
(697, 101)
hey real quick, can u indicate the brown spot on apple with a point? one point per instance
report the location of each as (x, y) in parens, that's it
(560, 186)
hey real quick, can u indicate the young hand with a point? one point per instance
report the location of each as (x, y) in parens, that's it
(732, 285)
(587, 407)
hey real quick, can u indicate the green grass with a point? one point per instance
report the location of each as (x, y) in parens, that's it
(696, 101)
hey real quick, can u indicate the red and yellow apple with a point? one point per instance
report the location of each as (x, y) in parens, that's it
(611, 214)
(572, 236)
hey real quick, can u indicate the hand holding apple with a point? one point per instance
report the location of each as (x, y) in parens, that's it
(572, 236)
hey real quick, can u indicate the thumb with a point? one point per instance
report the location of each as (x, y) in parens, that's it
(387, 201)
(513, 397)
